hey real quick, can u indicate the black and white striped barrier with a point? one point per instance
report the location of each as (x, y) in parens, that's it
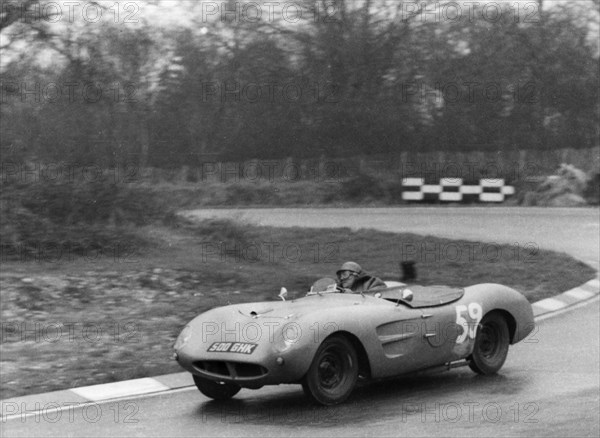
(453, 190)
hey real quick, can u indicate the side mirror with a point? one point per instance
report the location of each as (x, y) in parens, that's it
(407, 295)
(283, 293)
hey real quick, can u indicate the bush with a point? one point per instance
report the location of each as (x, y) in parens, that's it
(78, 218)
(249, 193)
(393, 189)
(362, 187)
(565, 189)
(592, 191)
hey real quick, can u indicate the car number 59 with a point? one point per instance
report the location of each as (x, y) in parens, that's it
(474, 313)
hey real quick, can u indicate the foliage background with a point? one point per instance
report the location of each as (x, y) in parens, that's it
(342, 78)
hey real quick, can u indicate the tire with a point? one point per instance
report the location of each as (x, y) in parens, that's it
(216, 390)
(491, 345)
(333, 372)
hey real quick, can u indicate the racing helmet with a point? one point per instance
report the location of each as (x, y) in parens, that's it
(350, 266)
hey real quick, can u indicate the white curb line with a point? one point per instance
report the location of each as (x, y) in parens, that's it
(568, 298)
(126, 388)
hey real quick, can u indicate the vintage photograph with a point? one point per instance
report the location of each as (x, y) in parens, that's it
(299, 218)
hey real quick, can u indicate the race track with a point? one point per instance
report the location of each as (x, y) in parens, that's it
(549, 386)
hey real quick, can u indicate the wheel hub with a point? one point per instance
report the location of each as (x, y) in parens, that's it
(330, 371)
(489, 342)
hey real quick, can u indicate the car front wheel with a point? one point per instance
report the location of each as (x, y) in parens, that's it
(333, 372)
(216, 390)
(491, 345)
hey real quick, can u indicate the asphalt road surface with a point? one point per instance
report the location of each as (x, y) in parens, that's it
(549, 386)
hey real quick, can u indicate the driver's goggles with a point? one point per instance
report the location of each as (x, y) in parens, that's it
(345, 275)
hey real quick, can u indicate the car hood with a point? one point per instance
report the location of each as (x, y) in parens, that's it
(286, 310)
(264, 322)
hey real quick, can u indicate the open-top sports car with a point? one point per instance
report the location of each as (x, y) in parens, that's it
(329, 339)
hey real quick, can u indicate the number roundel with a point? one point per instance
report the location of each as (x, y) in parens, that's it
(468, 317)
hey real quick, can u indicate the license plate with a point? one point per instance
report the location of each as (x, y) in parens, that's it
(232, 347)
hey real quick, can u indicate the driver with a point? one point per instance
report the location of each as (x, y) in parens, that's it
(351, 276)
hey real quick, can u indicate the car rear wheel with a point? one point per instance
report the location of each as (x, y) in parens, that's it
(333, 372)
(216, 390)
(491, 345)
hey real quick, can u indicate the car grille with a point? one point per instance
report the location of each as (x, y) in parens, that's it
(230, 369)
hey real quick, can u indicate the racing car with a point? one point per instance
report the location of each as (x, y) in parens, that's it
(329, 339)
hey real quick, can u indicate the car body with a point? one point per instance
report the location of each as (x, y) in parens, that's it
(328, 339)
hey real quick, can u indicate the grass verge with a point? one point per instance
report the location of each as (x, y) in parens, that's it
(87, 320)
